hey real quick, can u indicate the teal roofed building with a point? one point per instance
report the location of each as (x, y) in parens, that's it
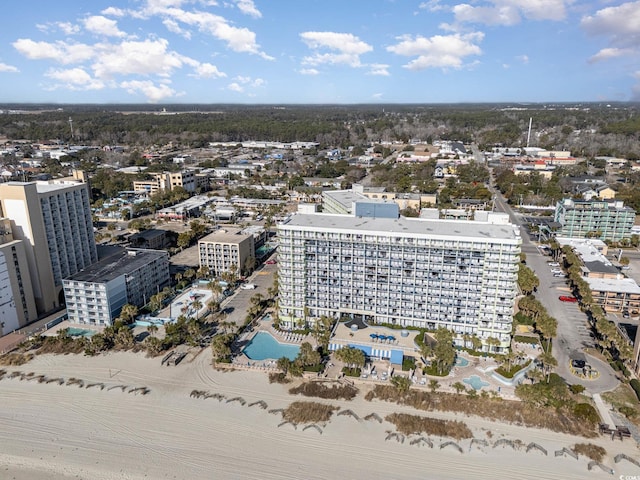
(606, 220)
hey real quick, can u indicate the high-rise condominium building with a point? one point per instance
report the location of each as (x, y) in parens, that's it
(425, 273)
(17, 305)
(53, 220)
(594, 218)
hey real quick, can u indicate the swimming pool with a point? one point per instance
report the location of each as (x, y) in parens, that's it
(476, 382)
(461, 362)
(263, 346)
(80, 332)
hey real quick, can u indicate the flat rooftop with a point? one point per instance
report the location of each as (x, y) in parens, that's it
(224, 235)
(621, 285)
(415, 227)
(120, 263)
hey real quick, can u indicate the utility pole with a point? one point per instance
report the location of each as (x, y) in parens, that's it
(71, 127)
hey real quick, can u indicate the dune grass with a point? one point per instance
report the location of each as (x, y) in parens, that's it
(415, 424)
(323, 390)
(559, 419)
(308, 412)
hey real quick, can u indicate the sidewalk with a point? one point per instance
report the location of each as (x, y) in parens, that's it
(603, 410)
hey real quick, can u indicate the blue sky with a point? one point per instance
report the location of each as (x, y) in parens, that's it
(319, 51)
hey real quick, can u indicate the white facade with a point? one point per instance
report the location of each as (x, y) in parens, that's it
(461, 275)
(97, 294)
(8, 311)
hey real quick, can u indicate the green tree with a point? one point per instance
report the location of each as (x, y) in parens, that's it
(402, 384)
(434, 385)
(527, 279)
(458, 387)
(221, 346)
(444, 351)
(128, 313)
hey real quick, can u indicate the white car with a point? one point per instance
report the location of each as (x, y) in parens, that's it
(247, 286)
(554, 264)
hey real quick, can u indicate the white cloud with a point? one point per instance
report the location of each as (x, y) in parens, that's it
(523, 58)
(103, 26)
(620, 23)
(136, 57)
(309, 71)
(8, 68)
(67, 28)
(75, 79)
(348, 48)
(439, 51)
(174, 27)
(609, 53)
(432, 6)
(237, 39)
(206, 70)
(114, 12)
(510, 12)
(498, 15)
(61, 52)
(248, 8)
(241, 83)
(379, 69)
(153, 92)
(377, 95)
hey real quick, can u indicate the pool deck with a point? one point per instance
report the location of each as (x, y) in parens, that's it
(53, 331)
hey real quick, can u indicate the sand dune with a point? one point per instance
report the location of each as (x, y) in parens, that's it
(51, 431)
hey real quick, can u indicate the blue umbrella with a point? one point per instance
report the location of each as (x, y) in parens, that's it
(373, 335)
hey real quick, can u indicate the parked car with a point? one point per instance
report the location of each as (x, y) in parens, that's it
(556, 270)
(558, 275)
(247, 286)
(553, 264)
(567, 298)
(270, 262)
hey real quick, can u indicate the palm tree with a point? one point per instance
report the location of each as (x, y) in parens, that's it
(548, 362)
(128, 313)
(459, 387)
(152, 328)
(402, 384)
(197, 305)
(434, 385)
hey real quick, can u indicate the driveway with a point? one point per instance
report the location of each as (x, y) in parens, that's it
(573, 333)
(237, 305)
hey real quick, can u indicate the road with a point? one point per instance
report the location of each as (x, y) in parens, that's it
(573, 333)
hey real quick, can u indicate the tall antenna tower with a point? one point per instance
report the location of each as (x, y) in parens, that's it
(528, 134)
(71, 126)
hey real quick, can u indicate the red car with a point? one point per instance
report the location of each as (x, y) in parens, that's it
(566, 298)
(270, 262)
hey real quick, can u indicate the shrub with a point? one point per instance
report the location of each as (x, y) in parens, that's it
(635, 384)
(408, 363)
(587, 412)
(589, 450)
(627, 411)
(279, 377)
(323, 390)
(308, 412)
(351, 372)
(410, 424)
(577, 388)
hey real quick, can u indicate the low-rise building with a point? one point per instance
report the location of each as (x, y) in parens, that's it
(97, 294)
(227, 250)
(606, 220)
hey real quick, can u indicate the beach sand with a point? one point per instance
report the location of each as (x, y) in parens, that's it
(60, 432)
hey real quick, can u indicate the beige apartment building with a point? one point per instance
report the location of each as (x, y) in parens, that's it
(53, 220)
(224, 248)
(17, 305)
(167, 181)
